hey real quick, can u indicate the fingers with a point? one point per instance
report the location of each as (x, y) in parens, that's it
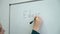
(38, 19)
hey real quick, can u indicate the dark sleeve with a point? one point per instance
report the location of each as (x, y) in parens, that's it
(35, 32)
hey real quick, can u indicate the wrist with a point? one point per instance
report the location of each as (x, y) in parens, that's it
(35, 28)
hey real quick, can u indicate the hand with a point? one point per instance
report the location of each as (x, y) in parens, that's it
(1, 30)
(37, 23)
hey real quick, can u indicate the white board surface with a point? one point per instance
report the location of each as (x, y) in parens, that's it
(22, 14)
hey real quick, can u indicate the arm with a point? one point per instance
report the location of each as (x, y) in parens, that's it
(37, 23)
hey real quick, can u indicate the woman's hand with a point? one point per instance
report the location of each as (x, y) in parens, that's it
(1, 30)
(37, 23)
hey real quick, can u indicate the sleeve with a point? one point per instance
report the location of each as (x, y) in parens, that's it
(35, 32)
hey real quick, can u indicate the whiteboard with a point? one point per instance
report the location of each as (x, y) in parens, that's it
(22, 14)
